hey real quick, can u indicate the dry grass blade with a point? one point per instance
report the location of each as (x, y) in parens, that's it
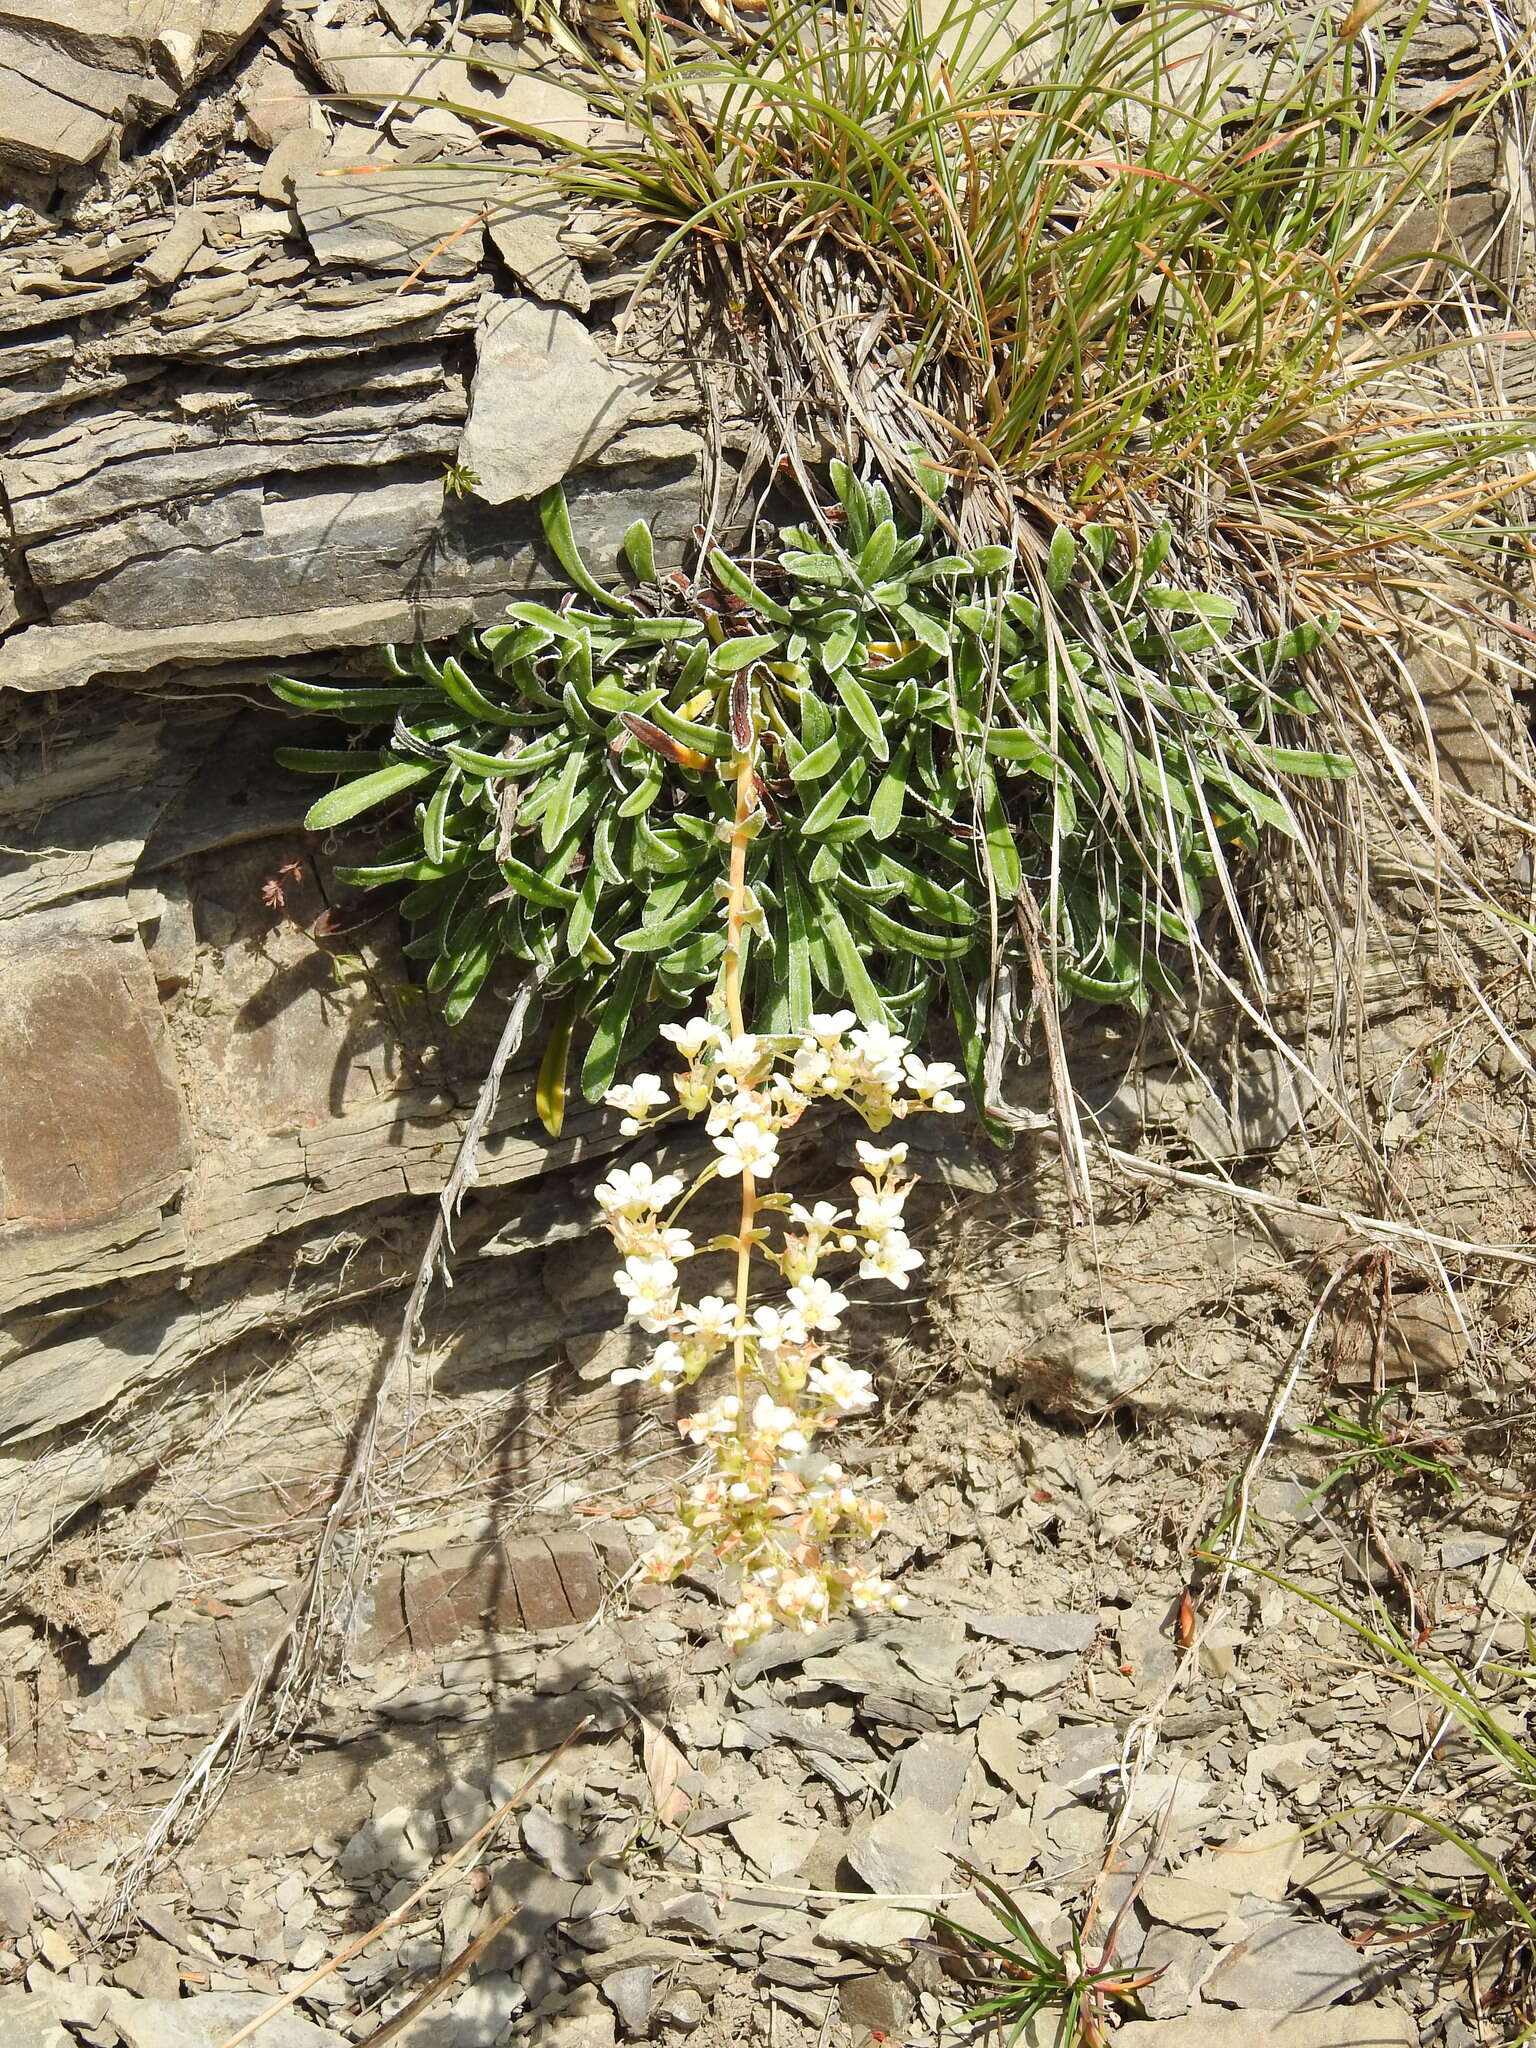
(431, 1993)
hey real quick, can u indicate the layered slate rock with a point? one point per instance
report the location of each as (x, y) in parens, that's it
(253, 312)
(77, 76)
(243, 339)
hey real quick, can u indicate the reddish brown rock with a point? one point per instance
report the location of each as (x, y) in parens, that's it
(93, 1145)
(540, 1588)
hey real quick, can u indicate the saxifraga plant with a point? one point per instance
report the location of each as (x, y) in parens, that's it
(932, 743)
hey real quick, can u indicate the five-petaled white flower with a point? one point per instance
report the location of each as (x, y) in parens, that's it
(880, 1209)
(818, 1303)
(889, 1258)
(649, 1285)
(828, 1027)
(694, 1037)
(632, 1190)
(812, 1072)
(780, 1425)
(662, 1370)
(804, 1600)
(740, 1056)
(868, 1589)
(934, 1083)
(719, 1419)
(840, 1385)
(639, 1099)
(881, 1050)
(712, 1317)
(878, 1161)
(775, 1327)
(748, 1148)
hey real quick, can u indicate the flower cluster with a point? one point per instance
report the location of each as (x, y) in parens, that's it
(772, 1505)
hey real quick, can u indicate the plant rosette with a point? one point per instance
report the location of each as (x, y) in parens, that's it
(772, 1508)
(929, 742)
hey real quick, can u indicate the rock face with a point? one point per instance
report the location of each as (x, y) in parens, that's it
(257, 303)
(77, 76)
(224, 432)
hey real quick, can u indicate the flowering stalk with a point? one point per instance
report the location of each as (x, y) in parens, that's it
(771, 1507)
(735, 942)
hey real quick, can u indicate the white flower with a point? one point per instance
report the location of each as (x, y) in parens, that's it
(751, 1616)
(719, 1419)
(748, 1148)
(639, 1099)
(804, 1600)
(663, 1369)
(726, 1111)
(676, 1244)
(881, 1051)
(779, 1424)
(825, 1216)
(841, 1386)
(740, 1057)
(868, 1590)
(878, 1161)
(826, 1029)
(935, 1082)
(649, 1284)
(889, 1258)
(712, 1318)
(880, 1209)
(810, 1070)
(631, 1191)
(819, 1303)
(667, 1556)
(774, 1327)
(694, 1037)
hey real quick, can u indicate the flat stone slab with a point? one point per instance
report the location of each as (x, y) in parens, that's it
(205, 2021)
(1353, 2026)
(1299, 1965)
(901, 1854)
(92, 1147)
(422, 217)
(525, 227)
(545, 400)
(30, 2019)
(1052, 1635)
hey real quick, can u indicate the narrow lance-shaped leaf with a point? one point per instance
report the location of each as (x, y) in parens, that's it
(549, 1089)
(555, 518)
(368, 791)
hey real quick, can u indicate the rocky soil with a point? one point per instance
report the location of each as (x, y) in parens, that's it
(738, 1851)
(230, 383)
